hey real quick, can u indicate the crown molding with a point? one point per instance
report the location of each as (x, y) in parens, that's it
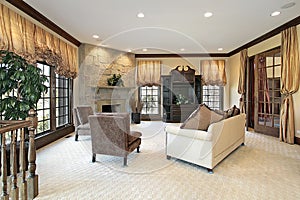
(180, 55)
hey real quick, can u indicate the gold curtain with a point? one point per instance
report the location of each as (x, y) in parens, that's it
(148, 72)
(290, 73)
(33, 43)
(241, 86)
(213, 72)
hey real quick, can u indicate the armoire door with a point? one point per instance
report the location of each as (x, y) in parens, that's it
(267, 92)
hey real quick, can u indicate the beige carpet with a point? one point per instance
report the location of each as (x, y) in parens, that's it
(263, 169)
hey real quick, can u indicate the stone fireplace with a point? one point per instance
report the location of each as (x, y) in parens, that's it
(113, 98)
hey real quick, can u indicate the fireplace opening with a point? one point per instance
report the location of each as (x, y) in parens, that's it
(111, 108)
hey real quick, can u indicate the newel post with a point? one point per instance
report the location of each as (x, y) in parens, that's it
(32, 181)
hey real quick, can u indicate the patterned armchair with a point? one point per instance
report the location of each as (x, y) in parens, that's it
(81, 120)
(111, 135)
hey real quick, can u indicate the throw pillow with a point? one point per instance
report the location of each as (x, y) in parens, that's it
(236, 111)
(231, 112)
(201, 118)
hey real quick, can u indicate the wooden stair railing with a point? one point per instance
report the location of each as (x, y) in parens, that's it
(20, 187)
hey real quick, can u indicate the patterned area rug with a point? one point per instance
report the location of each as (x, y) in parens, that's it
(262, 169)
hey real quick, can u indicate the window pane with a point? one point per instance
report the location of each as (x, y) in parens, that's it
(277, 71)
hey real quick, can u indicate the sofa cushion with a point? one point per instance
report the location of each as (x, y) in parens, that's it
(85, 126)
(133, 135)
(201, 118)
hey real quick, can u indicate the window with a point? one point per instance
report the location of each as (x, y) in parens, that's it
(53, 108)
(62, 100)
(150, 96)
(212, 96)
(43, 105)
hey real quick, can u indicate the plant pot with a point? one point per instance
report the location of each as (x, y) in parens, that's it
(136, 118)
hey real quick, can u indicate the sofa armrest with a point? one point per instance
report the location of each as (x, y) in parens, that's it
(190, 133)
(227, 132)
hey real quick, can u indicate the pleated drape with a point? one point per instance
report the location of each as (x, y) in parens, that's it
(242, 86)
(290, 73)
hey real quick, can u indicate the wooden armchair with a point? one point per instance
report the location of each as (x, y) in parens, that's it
(111, 135)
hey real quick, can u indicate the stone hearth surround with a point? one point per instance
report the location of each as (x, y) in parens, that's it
(115, 96)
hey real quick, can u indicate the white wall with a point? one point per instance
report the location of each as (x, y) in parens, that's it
(233, 80)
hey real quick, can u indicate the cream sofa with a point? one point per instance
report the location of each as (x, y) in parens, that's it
(206, 148)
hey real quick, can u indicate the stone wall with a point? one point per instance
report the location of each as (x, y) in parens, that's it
(96, 64)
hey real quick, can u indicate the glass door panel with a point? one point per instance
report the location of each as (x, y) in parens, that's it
(267, 92)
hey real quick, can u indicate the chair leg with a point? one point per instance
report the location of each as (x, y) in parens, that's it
(76, 135)
(169, 157)
(125, 161)
(138, 149)
(94, 157)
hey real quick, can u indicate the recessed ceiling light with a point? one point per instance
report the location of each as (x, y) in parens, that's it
(145, 50)
(208, 14)
(182, 49)
(288, 5)
(96, 36)
(140, 15)
(129, 50)
(273, 14)
(220, 49)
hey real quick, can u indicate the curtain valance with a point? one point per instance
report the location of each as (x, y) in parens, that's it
(33, 43)
(148, 72)
(213, 72)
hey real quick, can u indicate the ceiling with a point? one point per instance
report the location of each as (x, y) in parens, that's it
(169, 26)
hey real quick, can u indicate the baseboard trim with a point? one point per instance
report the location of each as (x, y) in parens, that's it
(53, 136)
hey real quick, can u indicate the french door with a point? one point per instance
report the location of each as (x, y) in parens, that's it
(267, 72)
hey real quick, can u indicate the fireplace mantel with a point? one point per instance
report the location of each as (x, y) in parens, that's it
(99, 88)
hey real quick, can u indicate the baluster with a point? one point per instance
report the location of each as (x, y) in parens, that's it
(23, 186)
(4, 195)
(14, 192)
(32, 177)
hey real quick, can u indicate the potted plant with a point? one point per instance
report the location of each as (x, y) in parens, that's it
(136, 107)
(115, 80)
(181, 99)
(22, 85)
